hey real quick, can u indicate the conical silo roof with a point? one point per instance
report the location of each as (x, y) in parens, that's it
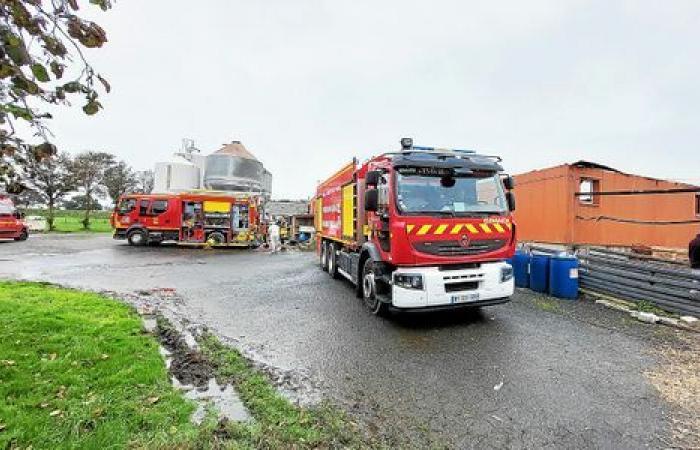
(235, 148)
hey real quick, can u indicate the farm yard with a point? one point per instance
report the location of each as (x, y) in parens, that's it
(533, 371)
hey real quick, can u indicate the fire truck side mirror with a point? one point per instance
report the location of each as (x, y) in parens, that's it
(371, 200)
(509, 183)
(510, 198)
(373, 177)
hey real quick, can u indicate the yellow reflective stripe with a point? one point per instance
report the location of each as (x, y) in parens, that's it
(472, 229)
(486, 228)
(423, 230)
(498, 227)
(509, 225)
(456, 228)
(440, 229)
(409, 228)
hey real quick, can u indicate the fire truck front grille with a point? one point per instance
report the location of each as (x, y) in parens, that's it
(456, 248)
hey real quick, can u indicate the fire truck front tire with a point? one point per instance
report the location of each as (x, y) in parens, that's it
(137, 237)
(23, 236)
(332, 261)
(324, 256)
(369, 290)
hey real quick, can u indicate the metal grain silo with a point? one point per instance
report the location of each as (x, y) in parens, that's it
(176, 175)
(233, 168)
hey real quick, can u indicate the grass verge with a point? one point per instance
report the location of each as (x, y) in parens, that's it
(277, 422)
(76, 371)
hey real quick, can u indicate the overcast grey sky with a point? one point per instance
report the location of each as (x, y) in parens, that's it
(308, 84)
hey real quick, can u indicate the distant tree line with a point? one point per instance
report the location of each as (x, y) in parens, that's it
(86, 178)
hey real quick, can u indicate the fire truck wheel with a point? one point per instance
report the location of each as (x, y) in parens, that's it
(216, 238)
(369, 291)
(324, 256)
(137, 238)
(332, 261)
(23, 236)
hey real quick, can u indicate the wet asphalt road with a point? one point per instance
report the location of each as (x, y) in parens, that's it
(571, 373)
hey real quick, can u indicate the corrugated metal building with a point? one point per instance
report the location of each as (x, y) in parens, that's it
(549, 209)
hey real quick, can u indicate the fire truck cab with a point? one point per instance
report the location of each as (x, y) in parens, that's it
(12, 224)
(418, 229)
(189, 219)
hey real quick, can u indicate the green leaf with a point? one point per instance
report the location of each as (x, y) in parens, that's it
(7, 70)
(92, 107)
(40, 72)
(18, 54)
(25, 85)
(103, 4)
(19, 112)
(57, 69)
(72, 87)
(54, 46)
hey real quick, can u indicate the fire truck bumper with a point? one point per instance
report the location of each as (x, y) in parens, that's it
(439, 287)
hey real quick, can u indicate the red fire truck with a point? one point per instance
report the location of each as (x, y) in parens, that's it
(191, 218)
(12, 225)
(419, 229)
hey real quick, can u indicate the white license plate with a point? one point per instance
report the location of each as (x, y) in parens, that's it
(465, 298)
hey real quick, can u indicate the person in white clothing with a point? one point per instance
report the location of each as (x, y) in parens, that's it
(273, 235)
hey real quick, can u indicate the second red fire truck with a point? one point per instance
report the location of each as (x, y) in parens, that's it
(418, 229)
(190, 218)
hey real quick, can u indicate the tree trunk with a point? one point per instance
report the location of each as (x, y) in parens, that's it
(86, 220)
(49, 218)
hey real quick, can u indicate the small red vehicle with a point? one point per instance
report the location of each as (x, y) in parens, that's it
(192, 218)
(12, 225)
(421, 228)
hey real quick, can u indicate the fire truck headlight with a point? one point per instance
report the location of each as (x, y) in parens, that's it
(409, 281)
(506, 273)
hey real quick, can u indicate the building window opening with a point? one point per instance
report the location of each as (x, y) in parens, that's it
(587, 189)
(697, 205)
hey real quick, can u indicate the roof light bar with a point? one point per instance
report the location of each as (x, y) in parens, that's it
(407, 146)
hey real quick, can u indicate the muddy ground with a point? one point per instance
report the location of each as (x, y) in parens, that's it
(533, 373)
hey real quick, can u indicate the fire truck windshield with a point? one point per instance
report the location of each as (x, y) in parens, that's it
(454, 196)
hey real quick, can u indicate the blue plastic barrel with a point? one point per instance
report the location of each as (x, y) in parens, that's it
(521, 268)
(539, 273)
(563, 277)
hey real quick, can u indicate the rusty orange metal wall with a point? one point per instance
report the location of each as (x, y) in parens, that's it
(654, 208)
(548, 210)
(544, 205)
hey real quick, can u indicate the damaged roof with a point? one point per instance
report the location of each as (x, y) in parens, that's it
(593, 165)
